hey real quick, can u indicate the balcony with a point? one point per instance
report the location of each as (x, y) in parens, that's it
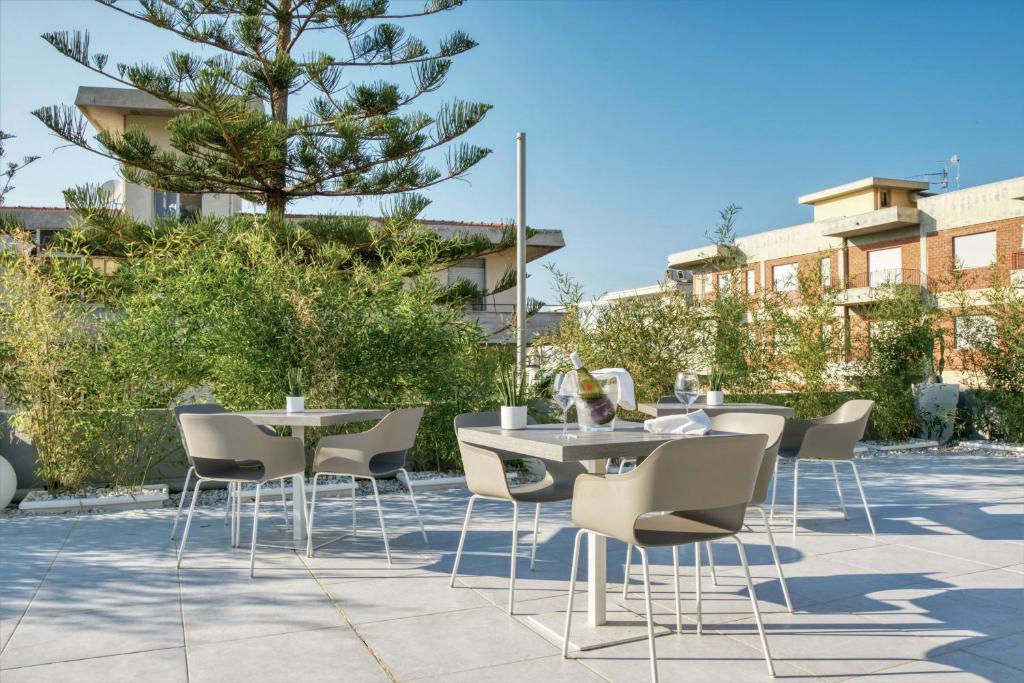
(498, 321)
(879, 220)
(867, 287)
(1017, 268)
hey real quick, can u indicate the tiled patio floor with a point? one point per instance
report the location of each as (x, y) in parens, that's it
(939, 596)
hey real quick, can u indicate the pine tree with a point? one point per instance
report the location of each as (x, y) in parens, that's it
(236, 131)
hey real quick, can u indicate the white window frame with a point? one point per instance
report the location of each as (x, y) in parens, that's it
(826, 271)
(881, 276)
(725, 282)
(751, 282)
(788, 281)
(975, 251)
(466, 270)
(177, 197)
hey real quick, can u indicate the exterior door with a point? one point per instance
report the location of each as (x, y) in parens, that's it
(885, 265)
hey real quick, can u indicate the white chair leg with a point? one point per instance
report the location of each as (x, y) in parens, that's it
(233, 502)
(227, 505)
(572, 592)
(753, 605)
(415, 506)
(380, 515)
(188, 521)
(625, 579)
(675, 580)
(309, 522)
(650, 617)
(284, 506)
(711, 562)
(255, 525)
(696, 590)
(839, 489)
(775, 556)
(533, 550)
(462, 540)
(181, 502)
(354, 507)
(775, 488)
(867, 510)
(796, 489)
(515, 550)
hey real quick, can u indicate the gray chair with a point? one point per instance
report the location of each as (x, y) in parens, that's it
(747, 423)
(214, 409)
(378, 452)
(229, 445)
(485, 478)
(828, 439)
(687, 491)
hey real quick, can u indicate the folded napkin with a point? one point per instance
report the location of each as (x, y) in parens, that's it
(696, 423)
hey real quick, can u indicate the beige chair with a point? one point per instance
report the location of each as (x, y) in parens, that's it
(747, 423)
(686, 491)
(378, 452)
(828, 439)
(485, 478)
(229, 505)
(229, 444)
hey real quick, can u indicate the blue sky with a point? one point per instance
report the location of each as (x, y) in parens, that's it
(643, 118)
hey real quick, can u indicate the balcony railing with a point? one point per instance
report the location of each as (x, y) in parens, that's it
(891, 276)
(1017, 260)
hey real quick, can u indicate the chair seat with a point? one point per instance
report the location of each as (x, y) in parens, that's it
(337, 463)
(546, 490)
(229, 470)
(677, 528)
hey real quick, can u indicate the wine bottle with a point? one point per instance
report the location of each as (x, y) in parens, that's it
(599, 407)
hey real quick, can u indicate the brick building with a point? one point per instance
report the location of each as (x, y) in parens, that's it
(874, 231)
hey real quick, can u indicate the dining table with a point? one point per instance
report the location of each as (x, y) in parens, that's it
(297, 422)
(662, 409)
(628, 440)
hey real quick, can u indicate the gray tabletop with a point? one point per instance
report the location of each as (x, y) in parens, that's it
(629, 440)
(313, 417)
(661, 409)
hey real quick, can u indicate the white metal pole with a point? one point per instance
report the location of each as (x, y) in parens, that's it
(521, 251)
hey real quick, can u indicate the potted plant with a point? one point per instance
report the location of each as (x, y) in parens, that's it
(512, 392)
(295, 401)
(716, 396)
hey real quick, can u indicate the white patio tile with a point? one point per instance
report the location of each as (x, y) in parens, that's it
(154, 666)
(456, 641)
(953, 667)
(1008, 650)
(551, 669)
(399, 597)
(332, 655)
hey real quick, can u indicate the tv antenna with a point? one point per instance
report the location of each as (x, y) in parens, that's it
(950, 167)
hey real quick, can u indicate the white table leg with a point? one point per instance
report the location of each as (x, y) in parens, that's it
(597, 567)
(299, 496)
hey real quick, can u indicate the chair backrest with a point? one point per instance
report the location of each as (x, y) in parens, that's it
(390, 439)
(756, 423)
(687, 475)
(219, 437)
(855, 412)
(194, 409)
(485, 473)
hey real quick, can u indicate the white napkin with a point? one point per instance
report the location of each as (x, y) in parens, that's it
(695, 424)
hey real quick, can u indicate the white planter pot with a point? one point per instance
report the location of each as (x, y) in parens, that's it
(513, 417)
(8, 483)
(295, 404)
(716, 398)
(936, 407)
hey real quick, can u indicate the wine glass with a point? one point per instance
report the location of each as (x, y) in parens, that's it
(687, 388)
(564, 394)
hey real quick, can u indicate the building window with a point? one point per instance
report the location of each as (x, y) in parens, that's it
(975, 251)
(826, 272)
(885, 266)
(177, 205)
(725, 283)
(473, 271)
(784, 277)
(974, 330)
(751, 283)
(883, 199)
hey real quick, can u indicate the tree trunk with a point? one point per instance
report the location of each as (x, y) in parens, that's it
(279, 109)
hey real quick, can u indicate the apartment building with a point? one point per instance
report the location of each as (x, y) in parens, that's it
(114, 109)
(874, 231)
